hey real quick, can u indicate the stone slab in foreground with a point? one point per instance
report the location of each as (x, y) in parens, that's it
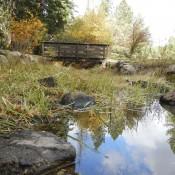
(32, 153)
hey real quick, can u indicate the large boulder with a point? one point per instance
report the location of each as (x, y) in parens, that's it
(77, 100)
(168, 99)
(48, 82)
(29, 153)
(11, 55)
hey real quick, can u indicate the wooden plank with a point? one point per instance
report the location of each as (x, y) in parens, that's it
(68, 43)
(75, 50)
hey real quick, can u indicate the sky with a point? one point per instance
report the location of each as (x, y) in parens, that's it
(159, 15)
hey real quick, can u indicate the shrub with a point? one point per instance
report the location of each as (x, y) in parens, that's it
(26, 34)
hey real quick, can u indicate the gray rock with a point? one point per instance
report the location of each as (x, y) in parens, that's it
(109, 63)
(119, 66)
(77, 100)
(170, 70)
(168, 99)
(3, 59)
(15, 56)
(31, 58)
(48, 82)
(125, 68)
(11, 55)
(29, 153)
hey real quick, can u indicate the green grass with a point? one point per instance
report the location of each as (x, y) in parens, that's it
(22, 97)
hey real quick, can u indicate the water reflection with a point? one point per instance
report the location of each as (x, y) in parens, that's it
(169, 108)
(130, 140)
(131, 143)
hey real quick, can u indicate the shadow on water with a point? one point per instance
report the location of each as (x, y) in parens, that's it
(130, 140)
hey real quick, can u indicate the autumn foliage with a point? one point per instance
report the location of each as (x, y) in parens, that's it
(26, 34)
(90, 28)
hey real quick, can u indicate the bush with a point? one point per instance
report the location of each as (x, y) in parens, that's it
(26, 34)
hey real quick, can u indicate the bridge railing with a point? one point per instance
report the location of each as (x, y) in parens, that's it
(75, 51)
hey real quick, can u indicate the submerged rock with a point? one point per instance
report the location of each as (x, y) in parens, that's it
(29, 153)
(77, 100)
(168, 99)
(48, 82)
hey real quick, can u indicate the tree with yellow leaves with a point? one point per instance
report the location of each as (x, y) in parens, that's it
(26, 34)
(93, 27)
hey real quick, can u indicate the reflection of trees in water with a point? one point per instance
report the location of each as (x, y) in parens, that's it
(113, 121)
(116, 124)
(59, 126)
(125, 117)
(171, 132)
(98, 136)
(171, 124)
(133, 115)
(95, 125)
(171, 109)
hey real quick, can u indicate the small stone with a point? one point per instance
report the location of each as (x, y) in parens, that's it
(48, 82)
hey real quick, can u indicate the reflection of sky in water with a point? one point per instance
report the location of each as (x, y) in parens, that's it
(144, 151)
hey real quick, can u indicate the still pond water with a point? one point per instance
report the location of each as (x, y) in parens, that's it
(132, 142)
(141, 149)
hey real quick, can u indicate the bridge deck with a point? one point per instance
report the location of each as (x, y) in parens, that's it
(75, 51)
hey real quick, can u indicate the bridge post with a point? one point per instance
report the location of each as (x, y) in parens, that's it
(42, 49)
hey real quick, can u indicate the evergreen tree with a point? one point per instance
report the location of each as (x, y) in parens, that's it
(54, 13)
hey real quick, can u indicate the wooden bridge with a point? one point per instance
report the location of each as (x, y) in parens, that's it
(75, 52)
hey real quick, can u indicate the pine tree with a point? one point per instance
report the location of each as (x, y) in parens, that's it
(53, 13)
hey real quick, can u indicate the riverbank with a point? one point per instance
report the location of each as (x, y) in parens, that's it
(24, 98)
